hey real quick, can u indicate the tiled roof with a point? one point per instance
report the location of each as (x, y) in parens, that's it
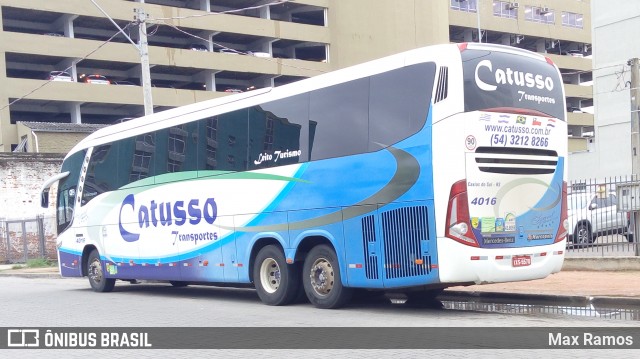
(62, 127)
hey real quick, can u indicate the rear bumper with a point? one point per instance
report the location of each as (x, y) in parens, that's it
(461, 263)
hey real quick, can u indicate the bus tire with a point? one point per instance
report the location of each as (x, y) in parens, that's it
(96, 274)
(322, 281)
(276, 282)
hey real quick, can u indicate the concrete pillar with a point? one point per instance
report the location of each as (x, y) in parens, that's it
(468, 35)
(265, 12)
(210, 36)
(205, 5)
(70, 64)
(210, 79)
(74, 110)
(65, 22)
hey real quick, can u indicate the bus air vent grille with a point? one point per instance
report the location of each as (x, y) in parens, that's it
(515, 160)
(403, 232)
(369, 239)
(443, 84)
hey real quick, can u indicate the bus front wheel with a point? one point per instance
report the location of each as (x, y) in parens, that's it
(96, 274)
(321, 279)
(276, 282)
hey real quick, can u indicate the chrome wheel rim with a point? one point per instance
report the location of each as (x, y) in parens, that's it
(95, 271)
(583, 234)
(270, 275)
(322, 276)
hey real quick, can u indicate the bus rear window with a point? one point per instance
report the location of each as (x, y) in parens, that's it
(495, 79)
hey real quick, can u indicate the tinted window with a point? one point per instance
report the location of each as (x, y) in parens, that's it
(508, 80)
(339, 118)
(280, 132)
(67, 189)
(225, 142)
(109, 168)
(399, 103)
(143, 165)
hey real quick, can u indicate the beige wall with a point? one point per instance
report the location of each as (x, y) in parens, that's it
(524, 27)
(363, 30)
(49, 142)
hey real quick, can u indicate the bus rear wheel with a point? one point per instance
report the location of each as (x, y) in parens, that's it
(276, 282)
(96, 274)
(321, 279)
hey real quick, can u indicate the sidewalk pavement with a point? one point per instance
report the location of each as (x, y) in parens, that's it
(605, 285)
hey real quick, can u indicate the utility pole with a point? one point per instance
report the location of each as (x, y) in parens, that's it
(143, 47)
(140, 17)
(635, 138)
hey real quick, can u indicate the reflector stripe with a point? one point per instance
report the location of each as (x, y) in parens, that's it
(557, 253)
(355, 266)
(434, 266)
(479, 258)
(186, 264)
(237, 265)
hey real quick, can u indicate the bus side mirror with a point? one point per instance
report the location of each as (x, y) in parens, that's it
(44, 198)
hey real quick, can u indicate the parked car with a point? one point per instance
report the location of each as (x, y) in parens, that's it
(229, 51)
(259, 54)
(198, 47)
(233, 90)
(593, 214)
(575, 53)
(95, 79)
(123, 83)
(59, 76)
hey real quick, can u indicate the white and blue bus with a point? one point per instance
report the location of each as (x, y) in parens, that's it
(435, 167)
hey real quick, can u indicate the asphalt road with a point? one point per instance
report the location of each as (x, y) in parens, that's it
(47, 302)
(71, 302)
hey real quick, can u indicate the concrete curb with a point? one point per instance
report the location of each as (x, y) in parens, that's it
(31, 275)
(541, 299)
(601, 264)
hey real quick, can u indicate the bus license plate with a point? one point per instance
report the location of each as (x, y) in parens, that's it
(521, 261)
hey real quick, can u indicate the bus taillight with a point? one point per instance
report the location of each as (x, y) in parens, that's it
(563, 228)
(458, 221)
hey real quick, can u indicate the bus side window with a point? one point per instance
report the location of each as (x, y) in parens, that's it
(341, 114)
(280, 132)
(400, 97)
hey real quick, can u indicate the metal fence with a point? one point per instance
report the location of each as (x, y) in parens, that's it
(599, 224)
(25, 239)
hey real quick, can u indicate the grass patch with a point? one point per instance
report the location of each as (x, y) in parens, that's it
(41, 263)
